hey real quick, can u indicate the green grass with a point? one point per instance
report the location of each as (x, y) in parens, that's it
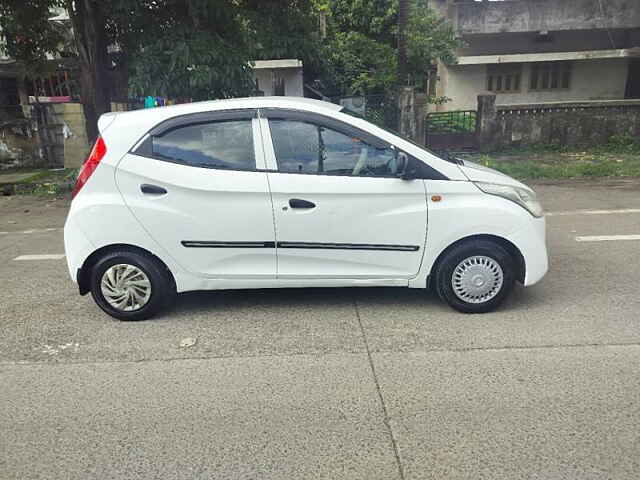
(48, 182)
(617, 144)
(34, 177)
(620, 157)
(566, 165)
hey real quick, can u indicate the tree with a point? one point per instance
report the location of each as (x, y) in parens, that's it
(362, 46)
(199, 49)
(88, 20)
(202, 49)
(31, 39)
(28, 34)
(181, 48)
(403, 16)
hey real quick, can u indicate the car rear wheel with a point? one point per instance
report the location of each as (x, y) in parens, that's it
(475, 276)
(130, 285)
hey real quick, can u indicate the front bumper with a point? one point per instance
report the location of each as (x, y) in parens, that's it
(531, 241)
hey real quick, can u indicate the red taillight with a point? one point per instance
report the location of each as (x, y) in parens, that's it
(98, 151)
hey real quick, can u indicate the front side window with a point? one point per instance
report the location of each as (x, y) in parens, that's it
(223, 144)
(304, 147)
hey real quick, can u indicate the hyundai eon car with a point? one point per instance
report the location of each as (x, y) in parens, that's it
(289, 192)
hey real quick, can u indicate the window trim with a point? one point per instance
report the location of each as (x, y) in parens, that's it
(144, 146)
(198, 118)
(427, 171)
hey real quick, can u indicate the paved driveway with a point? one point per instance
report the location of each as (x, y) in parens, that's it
(339, 383)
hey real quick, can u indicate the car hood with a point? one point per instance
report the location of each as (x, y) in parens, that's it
(479, 173)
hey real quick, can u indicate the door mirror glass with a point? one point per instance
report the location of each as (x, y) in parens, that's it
(401, 163)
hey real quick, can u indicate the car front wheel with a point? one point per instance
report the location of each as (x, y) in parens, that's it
(130, 285)
(475, 276)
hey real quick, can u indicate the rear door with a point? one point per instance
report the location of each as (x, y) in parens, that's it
(197, 185)
(340, 210)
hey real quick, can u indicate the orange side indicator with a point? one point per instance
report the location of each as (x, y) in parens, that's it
(436, 198)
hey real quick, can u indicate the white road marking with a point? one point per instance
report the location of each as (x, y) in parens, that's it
(593, 212)
(51, 350)
(27, 232)
(51, 256)
(607, 238)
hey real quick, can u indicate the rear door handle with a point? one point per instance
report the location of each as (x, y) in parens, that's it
(152, 189)
(299, 203)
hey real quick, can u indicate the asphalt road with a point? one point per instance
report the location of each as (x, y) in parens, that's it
(335, 384)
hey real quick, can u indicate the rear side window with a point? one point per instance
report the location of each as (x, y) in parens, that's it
(223, 144)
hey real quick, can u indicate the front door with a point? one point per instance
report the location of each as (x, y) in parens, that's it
(340, 211)
(197, 185)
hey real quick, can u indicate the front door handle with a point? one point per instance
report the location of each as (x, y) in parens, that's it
(152, 189)
(299, 203)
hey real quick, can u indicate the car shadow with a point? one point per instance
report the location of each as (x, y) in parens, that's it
(265, 298)
(387, 297)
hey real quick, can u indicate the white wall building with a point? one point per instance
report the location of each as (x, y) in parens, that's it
(279, 77)
(536, 51)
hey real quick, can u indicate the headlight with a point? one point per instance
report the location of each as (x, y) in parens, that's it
(522, 196)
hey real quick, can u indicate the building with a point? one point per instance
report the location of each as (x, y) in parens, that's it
(56, 122)
(538, 51)
(279, 77)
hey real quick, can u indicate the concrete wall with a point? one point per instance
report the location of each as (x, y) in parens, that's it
(18, 147)
(293, 82)
(602, 79)
(568, 124)
(76, 145)
(535, 15)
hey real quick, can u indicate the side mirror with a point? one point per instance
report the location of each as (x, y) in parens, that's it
(406, 167)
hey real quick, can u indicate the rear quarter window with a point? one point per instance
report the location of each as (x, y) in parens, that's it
(223, 144)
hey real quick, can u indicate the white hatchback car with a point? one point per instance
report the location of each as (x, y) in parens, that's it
(289, 192)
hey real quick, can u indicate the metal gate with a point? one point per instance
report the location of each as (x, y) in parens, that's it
(451, 131)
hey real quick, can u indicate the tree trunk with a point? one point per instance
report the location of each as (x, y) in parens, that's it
(91, 41)
(403, 17)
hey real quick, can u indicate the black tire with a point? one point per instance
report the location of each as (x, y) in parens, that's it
(163, 291)
(449, 262)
